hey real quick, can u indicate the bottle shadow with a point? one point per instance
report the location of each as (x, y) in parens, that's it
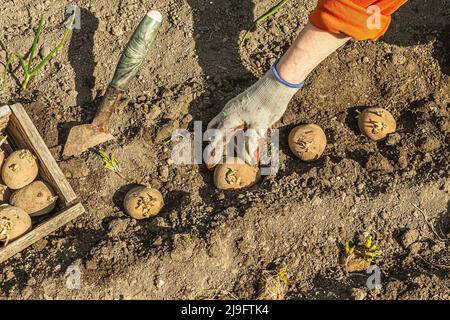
(82, 60)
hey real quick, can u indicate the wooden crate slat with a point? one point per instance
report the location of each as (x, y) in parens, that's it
(25, 134)
(42, 230)
(5, 112)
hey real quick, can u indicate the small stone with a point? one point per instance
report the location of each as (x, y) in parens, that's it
(27, 292)
(415, 248)
(91, 265)
(164, 172)
(430, 144)
(377, 162)
(44, 51)
(393, 139)
(117, 226)
(398, 59)
(438, 247)
(359, 294)
(142, 98)
(186, 119)
(409, 237)
(403, 160)
(153, 113)
(74, 169)
(166, 131)
(117, 31)
(40, 245)
(160, 283)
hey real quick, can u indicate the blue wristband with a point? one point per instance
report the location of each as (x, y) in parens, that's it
(278, 77)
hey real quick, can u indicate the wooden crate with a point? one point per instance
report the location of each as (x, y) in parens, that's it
(22, 133)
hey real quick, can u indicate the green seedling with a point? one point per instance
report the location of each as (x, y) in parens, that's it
(368, 251)
(283, 276)
(276, 284)
(7, 64)
(262, 18)
(110, 163)
(349, 249)
(371, 251)
(187, 237)
(28, 67)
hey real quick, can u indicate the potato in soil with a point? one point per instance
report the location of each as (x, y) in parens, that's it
(376, 123)
(234, 173)
(142, 202)
(14, 222)
(353, 263)
(37, 198)
(307, 141)
(19, 169)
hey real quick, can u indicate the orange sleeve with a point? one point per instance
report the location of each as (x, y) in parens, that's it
(359, 19)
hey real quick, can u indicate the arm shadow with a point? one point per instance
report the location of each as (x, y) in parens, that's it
(420, 22)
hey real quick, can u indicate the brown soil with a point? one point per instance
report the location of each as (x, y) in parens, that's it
(208, 243)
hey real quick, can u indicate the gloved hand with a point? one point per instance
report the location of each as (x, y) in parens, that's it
(256, 109)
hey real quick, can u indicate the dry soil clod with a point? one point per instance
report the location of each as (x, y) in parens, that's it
(307, 141)
(376, 123)
(234, 173)
(143, 202)
(19, 169)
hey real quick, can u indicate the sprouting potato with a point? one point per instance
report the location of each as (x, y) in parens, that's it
(307, 141)
(143, 202)
(353, 263)
(5, 193)
(376, 123)
(37, 198)
(234, 173)
(14, 222)
(2, 157)
(19, 169)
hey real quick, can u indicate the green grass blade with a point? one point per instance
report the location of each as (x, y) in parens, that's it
(22, 63)
(266, 15)
(8, 63)
(35, 41)
(57, 48)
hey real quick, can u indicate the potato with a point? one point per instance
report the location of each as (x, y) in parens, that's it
(14, 222)
(235, 174)
(143, 202)
(307, 141)
(353, 263)
(19, 169)
(2, 157)
(5, 193)
(376, 123)
(37, 198)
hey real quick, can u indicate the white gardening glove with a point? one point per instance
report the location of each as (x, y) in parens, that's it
(256, 109)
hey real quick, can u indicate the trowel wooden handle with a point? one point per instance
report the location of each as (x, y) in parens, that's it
(107, 106)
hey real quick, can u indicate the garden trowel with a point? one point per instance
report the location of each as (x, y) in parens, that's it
(85, 136)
